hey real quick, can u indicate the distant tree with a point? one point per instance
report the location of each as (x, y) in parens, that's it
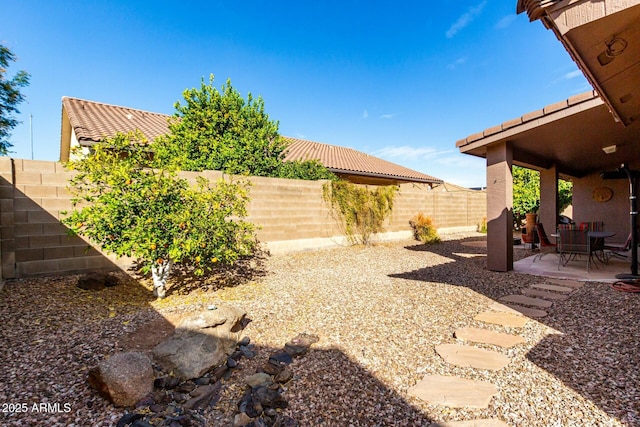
(10, 97)
(218, 130)
(526, 193)
(130, 209)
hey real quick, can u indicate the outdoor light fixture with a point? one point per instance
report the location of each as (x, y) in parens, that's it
(610, 149)
(615, 46)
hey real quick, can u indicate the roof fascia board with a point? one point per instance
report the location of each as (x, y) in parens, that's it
(532, 124)
(380, 175)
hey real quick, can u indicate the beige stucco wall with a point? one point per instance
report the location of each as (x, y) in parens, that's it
(614, 213)
(291, 214)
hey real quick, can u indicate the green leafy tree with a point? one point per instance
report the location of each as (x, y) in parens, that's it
(10, 98)
(359, 211)
(130, 209)
(526, 193)
(218, 130)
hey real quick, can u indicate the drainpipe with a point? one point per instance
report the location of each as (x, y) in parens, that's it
(633, 213)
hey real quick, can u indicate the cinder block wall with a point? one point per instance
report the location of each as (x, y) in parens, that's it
(290, 213)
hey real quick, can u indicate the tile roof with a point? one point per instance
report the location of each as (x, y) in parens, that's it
(348, 160)
(529, 117)
(93, 121)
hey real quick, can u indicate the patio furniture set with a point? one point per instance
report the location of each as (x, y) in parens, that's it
(581, 241)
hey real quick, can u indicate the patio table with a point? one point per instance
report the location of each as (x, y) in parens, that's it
(597, 244)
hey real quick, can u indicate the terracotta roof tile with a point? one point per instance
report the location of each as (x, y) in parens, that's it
(343, 159)
(93, 121)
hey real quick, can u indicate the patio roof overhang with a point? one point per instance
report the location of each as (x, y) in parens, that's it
(603, 38)
(569, 135)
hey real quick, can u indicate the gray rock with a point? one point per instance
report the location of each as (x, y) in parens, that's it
(285, 376)
(201, 342)
(241, 420)
(203, 396)
(189, 354)
(123, 378)
(258, 380)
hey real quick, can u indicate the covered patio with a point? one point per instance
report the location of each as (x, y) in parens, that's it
(576, 139)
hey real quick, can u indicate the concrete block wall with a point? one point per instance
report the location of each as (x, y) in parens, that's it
(290, 213)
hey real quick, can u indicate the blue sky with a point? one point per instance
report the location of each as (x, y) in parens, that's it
(399, 80)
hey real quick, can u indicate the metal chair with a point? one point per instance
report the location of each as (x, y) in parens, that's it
(572, 243)
(544, 242)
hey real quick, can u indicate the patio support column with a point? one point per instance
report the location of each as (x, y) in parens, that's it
(548, 214)
(499, 207)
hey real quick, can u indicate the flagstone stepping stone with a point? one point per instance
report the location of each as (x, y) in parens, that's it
(485, 422)
(555, 288)
(454, 392)
(503, 319)
(487, 336)
(527, 311)
(521, 299)
(544, 294)
(574, 284)
(472, 357)
(503, 308)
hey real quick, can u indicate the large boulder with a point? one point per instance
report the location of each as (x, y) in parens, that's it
(123, 378)
(200, 342)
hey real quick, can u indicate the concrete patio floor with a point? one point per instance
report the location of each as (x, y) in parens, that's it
(547, 266)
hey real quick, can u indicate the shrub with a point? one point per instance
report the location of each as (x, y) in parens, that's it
(482, 227)
(359, 211)
(423, 229)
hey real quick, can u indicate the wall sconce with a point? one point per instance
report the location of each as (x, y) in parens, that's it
(610, 149)
(615, 46)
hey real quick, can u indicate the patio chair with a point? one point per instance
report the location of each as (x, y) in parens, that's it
(612, 249)
(544, 242)
(573, 243)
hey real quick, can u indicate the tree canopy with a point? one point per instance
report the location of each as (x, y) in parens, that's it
(526, 193)
(10, 97)
(218, 130)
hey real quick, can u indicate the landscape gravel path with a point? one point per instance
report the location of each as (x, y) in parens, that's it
(379, 313)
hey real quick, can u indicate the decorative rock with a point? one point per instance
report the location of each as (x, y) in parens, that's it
(166, 383)
(272, 368)
(225, 323)
(244, 341)
(487, 336)
(200, 342)
(258, 380)
(128, 419)
(247, 352)
(521, 299)
(557, 288)
(300, 344)
(281, 358)
(241, 420)
(544, 294)
(485, 422)
(124, 378)
(503, 319)
(203, 396)
(268, 398)
(189, 354)
(454, 392)
(284, 377)
(472, 357)
(202, 381)
(231, 363)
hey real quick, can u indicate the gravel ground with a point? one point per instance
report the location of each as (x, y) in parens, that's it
(379, 313)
